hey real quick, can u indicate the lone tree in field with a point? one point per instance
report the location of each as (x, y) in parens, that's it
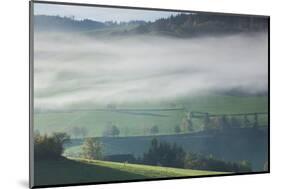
(83, 132)
(256, 124)
(186, 125)
(223, 122)
(234, 122)
(190, 127)
(92, 149)
(88, 148)
(177, 129)
(115, 131)
(111, 130)
(206, 122)
(79, 132)
(246, 121)
(154, 129)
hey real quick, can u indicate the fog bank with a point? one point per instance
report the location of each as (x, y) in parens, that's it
(78, 71)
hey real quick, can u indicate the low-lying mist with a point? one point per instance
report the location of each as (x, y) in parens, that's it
(72, 70)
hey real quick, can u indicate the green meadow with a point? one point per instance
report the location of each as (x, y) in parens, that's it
(139, 123)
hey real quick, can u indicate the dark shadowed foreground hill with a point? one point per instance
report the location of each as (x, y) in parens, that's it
(73, 171)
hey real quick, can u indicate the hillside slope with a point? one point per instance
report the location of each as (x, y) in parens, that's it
(70, 171)
(148, 170)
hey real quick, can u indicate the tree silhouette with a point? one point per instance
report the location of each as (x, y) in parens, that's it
(256, 124)
(92, 149)
(246, 121)
(206, 122)
(111, 130)
(177, 129)
(154, 129)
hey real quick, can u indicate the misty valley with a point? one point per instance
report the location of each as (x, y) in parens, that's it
(180, 96)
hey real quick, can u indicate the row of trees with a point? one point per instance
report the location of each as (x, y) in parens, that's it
(81, 132)
(186, 125)
(112, 130)
(225, 122)
(191, 25)
(216, 123)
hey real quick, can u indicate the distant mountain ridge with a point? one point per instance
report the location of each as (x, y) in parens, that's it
(181, 25)
(57, 23)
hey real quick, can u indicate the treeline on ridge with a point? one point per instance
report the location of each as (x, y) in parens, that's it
(179, 25)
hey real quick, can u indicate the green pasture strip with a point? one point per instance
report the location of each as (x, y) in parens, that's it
(147, 170)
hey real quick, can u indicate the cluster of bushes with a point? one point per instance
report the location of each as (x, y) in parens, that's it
(164, 154)
(52, 146)
(49, 146)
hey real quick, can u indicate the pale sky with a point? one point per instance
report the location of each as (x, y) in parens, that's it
(99, 13)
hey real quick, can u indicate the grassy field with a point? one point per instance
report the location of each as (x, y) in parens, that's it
(67, 171)
(147, 170)
(131, 124)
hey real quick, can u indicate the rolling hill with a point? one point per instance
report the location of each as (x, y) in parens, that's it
(68, 171)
